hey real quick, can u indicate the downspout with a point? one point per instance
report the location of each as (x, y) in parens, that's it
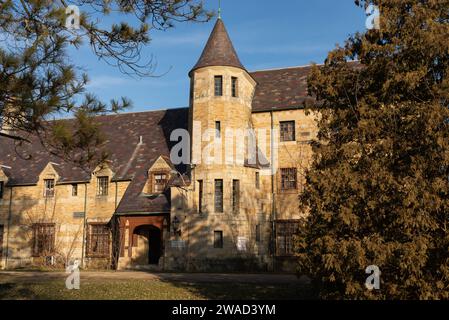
(9, 227)
(84, 226)
(273, 197)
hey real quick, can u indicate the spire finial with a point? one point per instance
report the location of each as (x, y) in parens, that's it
(219, 9)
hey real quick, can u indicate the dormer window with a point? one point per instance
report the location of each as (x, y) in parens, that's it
(49, 188)
(235, 87)
(160, 181)
(102, 186)
(218, 86)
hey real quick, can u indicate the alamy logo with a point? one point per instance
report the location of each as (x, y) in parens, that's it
(72, 21)
(373, 20)
(373, 281)
(73, 280)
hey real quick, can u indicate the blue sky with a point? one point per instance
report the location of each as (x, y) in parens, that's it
(266, 34)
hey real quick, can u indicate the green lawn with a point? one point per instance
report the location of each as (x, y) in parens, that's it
(149, 290)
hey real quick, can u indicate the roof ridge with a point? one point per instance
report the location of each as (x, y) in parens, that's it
(287, 68)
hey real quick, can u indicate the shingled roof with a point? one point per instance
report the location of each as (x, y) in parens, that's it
(219, 50)
(281, 89)
(129, 159)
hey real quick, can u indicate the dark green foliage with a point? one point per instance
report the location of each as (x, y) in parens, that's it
(38, 82)
(378, 190)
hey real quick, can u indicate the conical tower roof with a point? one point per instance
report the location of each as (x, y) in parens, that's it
(219, 50)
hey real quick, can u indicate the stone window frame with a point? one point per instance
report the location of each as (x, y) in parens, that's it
(158, 186)
(2, 232)
(235, 196)
(102, 186)
(218, 85)
(200, 196)
(219, 196)
(235, 87)
(49, 188)
(288, 179)
(101, 236)
(218, 239)
(75, 189)
(43, 239)
(285, 231)
(257, 182)
(287, 131)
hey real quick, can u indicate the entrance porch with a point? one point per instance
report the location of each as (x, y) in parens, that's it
(141, 242)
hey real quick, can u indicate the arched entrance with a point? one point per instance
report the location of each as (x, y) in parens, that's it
(148, 240)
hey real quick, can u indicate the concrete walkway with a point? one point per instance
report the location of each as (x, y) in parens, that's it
(36, 276)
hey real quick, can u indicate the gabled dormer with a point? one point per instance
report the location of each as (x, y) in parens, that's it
(48, 179)
(159, 176)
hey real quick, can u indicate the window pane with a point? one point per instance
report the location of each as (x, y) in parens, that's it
(218, 239)
(235, 196)
(219, 196)
(44, 239)
(218, 129)
(98, 241)
(285, 232)
(234, 87)
(2, 185)
(289, 179)
(49, 188)
(257, 180)
(200, 196)
(160, 181)
(74, 190)
(1, 240)
(218, 86)
(103, 186)
(287, 129)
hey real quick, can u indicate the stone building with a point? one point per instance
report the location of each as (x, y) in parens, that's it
(142, 210)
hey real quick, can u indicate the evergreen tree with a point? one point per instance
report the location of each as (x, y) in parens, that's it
(38, 82)
(378, 189)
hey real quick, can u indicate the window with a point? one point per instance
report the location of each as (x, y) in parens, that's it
(288, 131)
(1, 241)
(102, 186)
(288, 179)
(74, 190)
(257, 180)
(218, 129)
(49, 188)
(160, 181)
(200, 196)
(285, 232)
(235, 196)
(218, 239)
(258, 233)
(2, 189)
(44, 239)
(218, 86)
(98, 241)
(219, 196)
(235, 87)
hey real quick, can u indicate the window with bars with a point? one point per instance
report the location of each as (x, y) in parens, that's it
(49, 188)
(289, 179)
(219, 196)
(218, 239)
(74, 190)
(218, 86)
(287, 129)
(257, 180)
(2, 189)
(200, 196)
(98, 241)
(1, 240)
(43, 239)
(160, 181)
(102, 186)
(235, 196)
(235, 86)
(285, 233)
